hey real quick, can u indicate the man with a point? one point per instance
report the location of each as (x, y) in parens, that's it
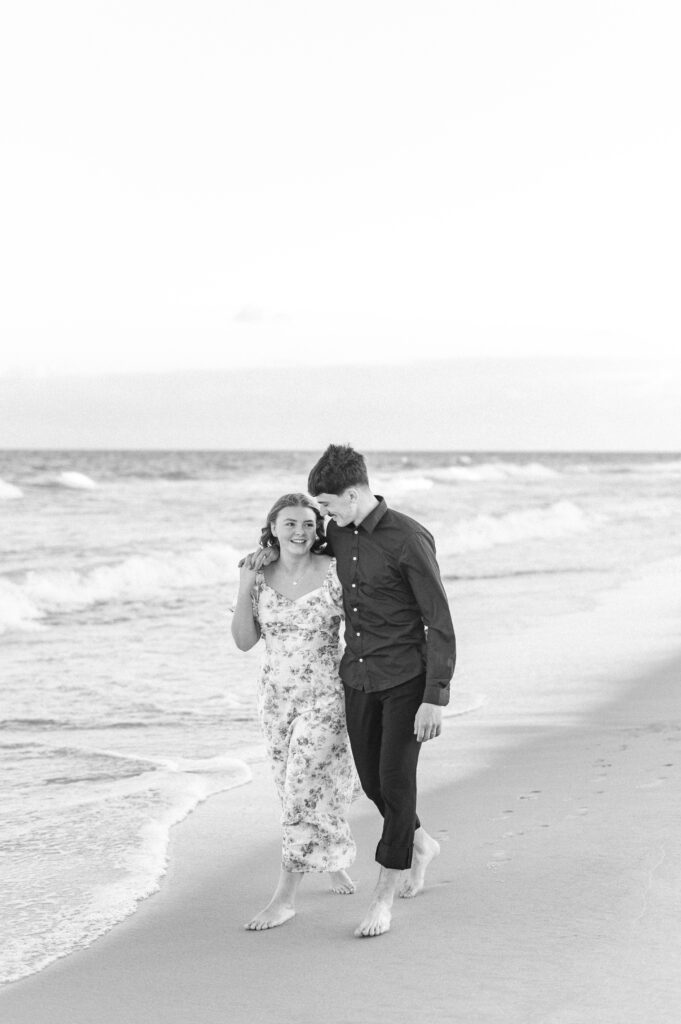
(399, 659)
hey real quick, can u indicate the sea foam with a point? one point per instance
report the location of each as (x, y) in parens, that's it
(104, 852)
(139, 578)
(486, 531)
(9, 491)
(398, 485)
(76, 481)
(485, 472)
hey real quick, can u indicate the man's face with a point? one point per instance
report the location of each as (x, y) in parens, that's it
(341, 507)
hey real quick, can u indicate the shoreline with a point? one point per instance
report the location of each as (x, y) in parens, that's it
(555, 899)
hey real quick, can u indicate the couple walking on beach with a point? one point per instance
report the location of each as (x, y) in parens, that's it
(376, 569)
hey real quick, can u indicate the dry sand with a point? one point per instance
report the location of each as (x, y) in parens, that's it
(556, 899)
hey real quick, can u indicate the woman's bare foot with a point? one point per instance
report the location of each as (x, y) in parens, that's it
(275, 913)
(341, 883)
(425, 848)
(281, 907)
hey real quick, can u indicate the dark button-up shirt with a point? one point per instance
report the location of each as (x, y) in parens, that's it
(397, 619)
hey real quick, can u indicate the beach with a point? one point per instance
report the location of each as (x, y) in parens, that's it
(139, 825)
(555, 898)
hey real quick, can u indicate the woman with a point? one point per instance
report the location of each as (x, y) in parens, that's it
(296, 605)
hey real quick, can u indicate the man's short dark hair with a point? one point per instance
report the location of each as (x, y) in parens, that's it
(339, 467)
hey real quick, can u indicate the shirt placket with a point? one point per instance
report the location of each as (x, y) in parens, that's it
(356, 622)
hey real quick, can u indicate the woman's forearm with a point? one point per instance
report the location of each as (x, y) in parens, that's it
(245, 629)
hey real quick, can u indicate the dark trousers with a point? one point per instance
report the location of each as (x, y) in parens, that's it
(386, 752)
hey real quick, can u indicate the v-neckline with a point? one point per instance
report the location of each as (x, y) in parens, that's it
(292, 600)
(295, 600)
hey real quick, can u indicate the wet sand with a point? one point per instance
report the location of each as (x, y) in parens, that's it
(556, 898)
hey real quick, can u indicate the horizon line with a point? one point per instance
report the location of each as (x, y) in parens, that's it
(374, 451)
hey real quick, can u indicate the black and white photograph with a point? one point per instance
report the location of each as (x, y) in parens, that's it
(340, 505)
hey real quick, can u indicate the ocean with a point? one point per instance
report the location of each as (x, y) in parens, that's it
(124, 703)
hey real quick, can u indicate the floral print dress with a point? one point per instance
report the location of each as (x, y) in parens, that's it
(302, 715)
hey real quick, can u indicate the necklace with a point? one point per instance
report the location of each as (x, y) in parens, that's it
(294, 583)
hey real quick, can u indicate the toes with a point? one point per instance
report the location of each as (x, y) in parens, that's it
(371, 928)
(343, 884)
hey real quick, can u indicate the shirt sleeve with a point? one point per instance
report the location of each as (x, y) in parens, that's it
(421, 571)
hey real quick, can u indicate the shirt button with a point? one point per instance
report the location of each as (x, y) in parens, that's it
(354, 584)
(361, 660)
(357, 634)
(356, 532)
(354, 609)
(354, 558)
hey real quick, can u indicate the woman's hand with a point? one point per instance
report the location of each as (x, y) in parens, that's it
(245, 628)
(246, 574)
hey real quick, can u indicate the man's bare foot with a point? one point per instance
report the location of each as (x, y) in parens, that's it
(376, 922)
(425, 848)
(275, 913)
(341, 883)
(378, 916)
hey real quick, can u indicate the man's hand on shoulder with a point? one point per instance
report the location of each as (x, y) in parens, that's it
(257, 560)
(428, 722)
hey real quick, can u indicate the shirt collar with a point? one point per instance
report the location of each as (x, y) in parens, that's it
(370, 522)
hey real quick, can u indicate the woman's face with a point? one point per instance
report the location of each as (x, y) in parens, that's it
(296, 529)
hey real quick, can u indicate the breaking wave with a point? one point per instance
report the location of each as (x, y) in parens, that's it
(140, 578)
(486, 531)
(75, 481)
(9, 491)
(491, 471)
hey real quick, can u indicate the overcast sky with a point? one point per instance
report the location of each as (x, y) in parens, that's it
(221, 184)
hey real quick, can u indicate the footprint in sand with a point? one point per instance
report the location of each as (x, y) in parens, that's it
(499, 858)
(578, 813)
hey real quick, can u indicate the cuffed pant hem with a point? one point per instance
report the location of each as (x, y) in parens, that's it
(397, 857)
